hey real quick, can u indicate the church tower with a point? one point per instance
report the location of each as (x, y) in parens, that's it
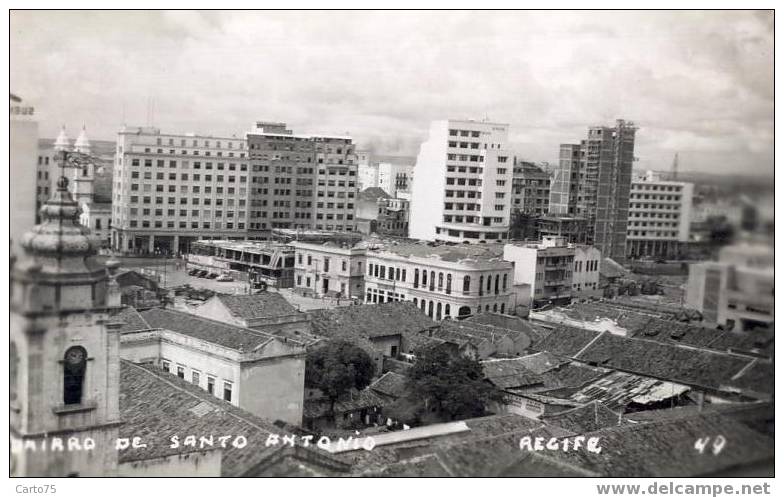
(64, 350)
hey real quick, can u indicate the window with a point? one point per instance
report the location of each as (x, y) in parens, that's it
(227, 391)
(165, 365)
(195, 377)
(74, 368)
(211, 384)
(466, 284)
(181, 372)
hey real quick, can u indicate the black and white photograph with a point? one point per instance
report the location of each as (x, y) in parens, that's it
(392, 244)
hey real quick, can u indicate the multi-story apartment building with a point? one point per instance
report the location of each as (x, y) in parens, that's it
(462, 183)
(659, 216)
(329, 270)
(444, 281)
(737, 291)
(171, 189)
(301, 181)
(530, 189)
(544, 270)
(593, 181)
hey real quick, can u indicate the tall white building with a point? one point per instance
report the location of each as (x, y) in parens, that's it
(462, 183)
(659, 216)
(23, 153)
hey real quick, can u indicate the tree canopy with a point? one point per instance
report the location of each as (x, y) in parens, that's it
(445, 385)
(337, 367)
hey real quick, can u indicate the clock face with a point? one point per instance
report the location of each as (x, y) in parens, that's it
(75, 355)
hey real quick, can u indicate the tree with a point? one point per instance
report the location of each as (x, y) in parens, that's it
(336, 368)
(451, 387)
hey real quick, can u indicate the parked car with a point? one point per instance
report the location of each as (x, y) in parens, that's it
(201, 274)
(193, 272)
(224, 277)
(212, 276)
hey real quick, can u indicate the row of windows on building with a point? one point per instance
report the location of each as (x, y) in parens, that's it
(462, 194)
(652, 224)
(206, 143)
(438, 281)
(448, 218)
(661, 188)
(640, 196)
(173, 164)
(194, 153)
(133, 223)
(590, 266)
(463, 181)
(134, 211)
(220, 178)
(325, 263)
(653, 234)
(184, 201)
(467, 233)
(195, 376)
(666, 207)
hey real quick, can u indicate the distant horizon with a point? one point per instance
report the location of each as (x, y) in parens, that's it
(699, 83)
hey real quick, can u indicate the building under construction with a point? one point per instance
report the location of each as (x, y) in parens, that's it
(593, 180)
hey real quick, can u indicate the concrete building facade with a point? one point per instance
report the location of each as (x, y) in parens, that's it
(530, 189)
(23, 153)
(462, 183)
(301, 181)
(659, 216)
(171, 189)
(329, 269)
(443, 281)
(593, 180)
(545, 269)
(585, 274)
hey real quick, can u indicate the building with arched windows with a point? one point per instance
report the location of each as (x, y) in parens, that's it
(444, 281)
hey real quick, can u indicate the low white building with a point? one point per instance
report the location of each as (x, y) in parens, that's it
(259, 372)
(737, 291)
(545, 269)
(443, 280)
(329, 269)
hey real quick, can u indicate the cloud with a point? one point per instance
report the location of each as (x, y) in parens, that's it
(698, 83)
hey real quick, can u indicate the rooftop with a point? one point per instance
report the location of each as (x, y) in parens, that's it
(469, 254)
(373, 193)
(391, 384)
(260, 305)
(180, 409)
(216, 332)
(368, 321)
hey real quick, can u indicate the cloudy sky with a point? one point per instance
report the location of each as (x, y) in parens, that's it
(697, 83)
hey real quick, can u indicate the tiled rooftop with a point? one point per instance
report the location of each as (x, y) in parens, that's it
(391, 384)
(155, 405)
(260, 305)
(215, 332)
(367, 321)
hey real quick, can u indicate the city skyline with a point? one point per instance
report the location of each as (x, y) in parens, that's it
(697, 83)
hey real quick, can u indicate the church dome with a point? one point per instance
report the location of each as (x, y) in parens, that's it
(60, 235)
